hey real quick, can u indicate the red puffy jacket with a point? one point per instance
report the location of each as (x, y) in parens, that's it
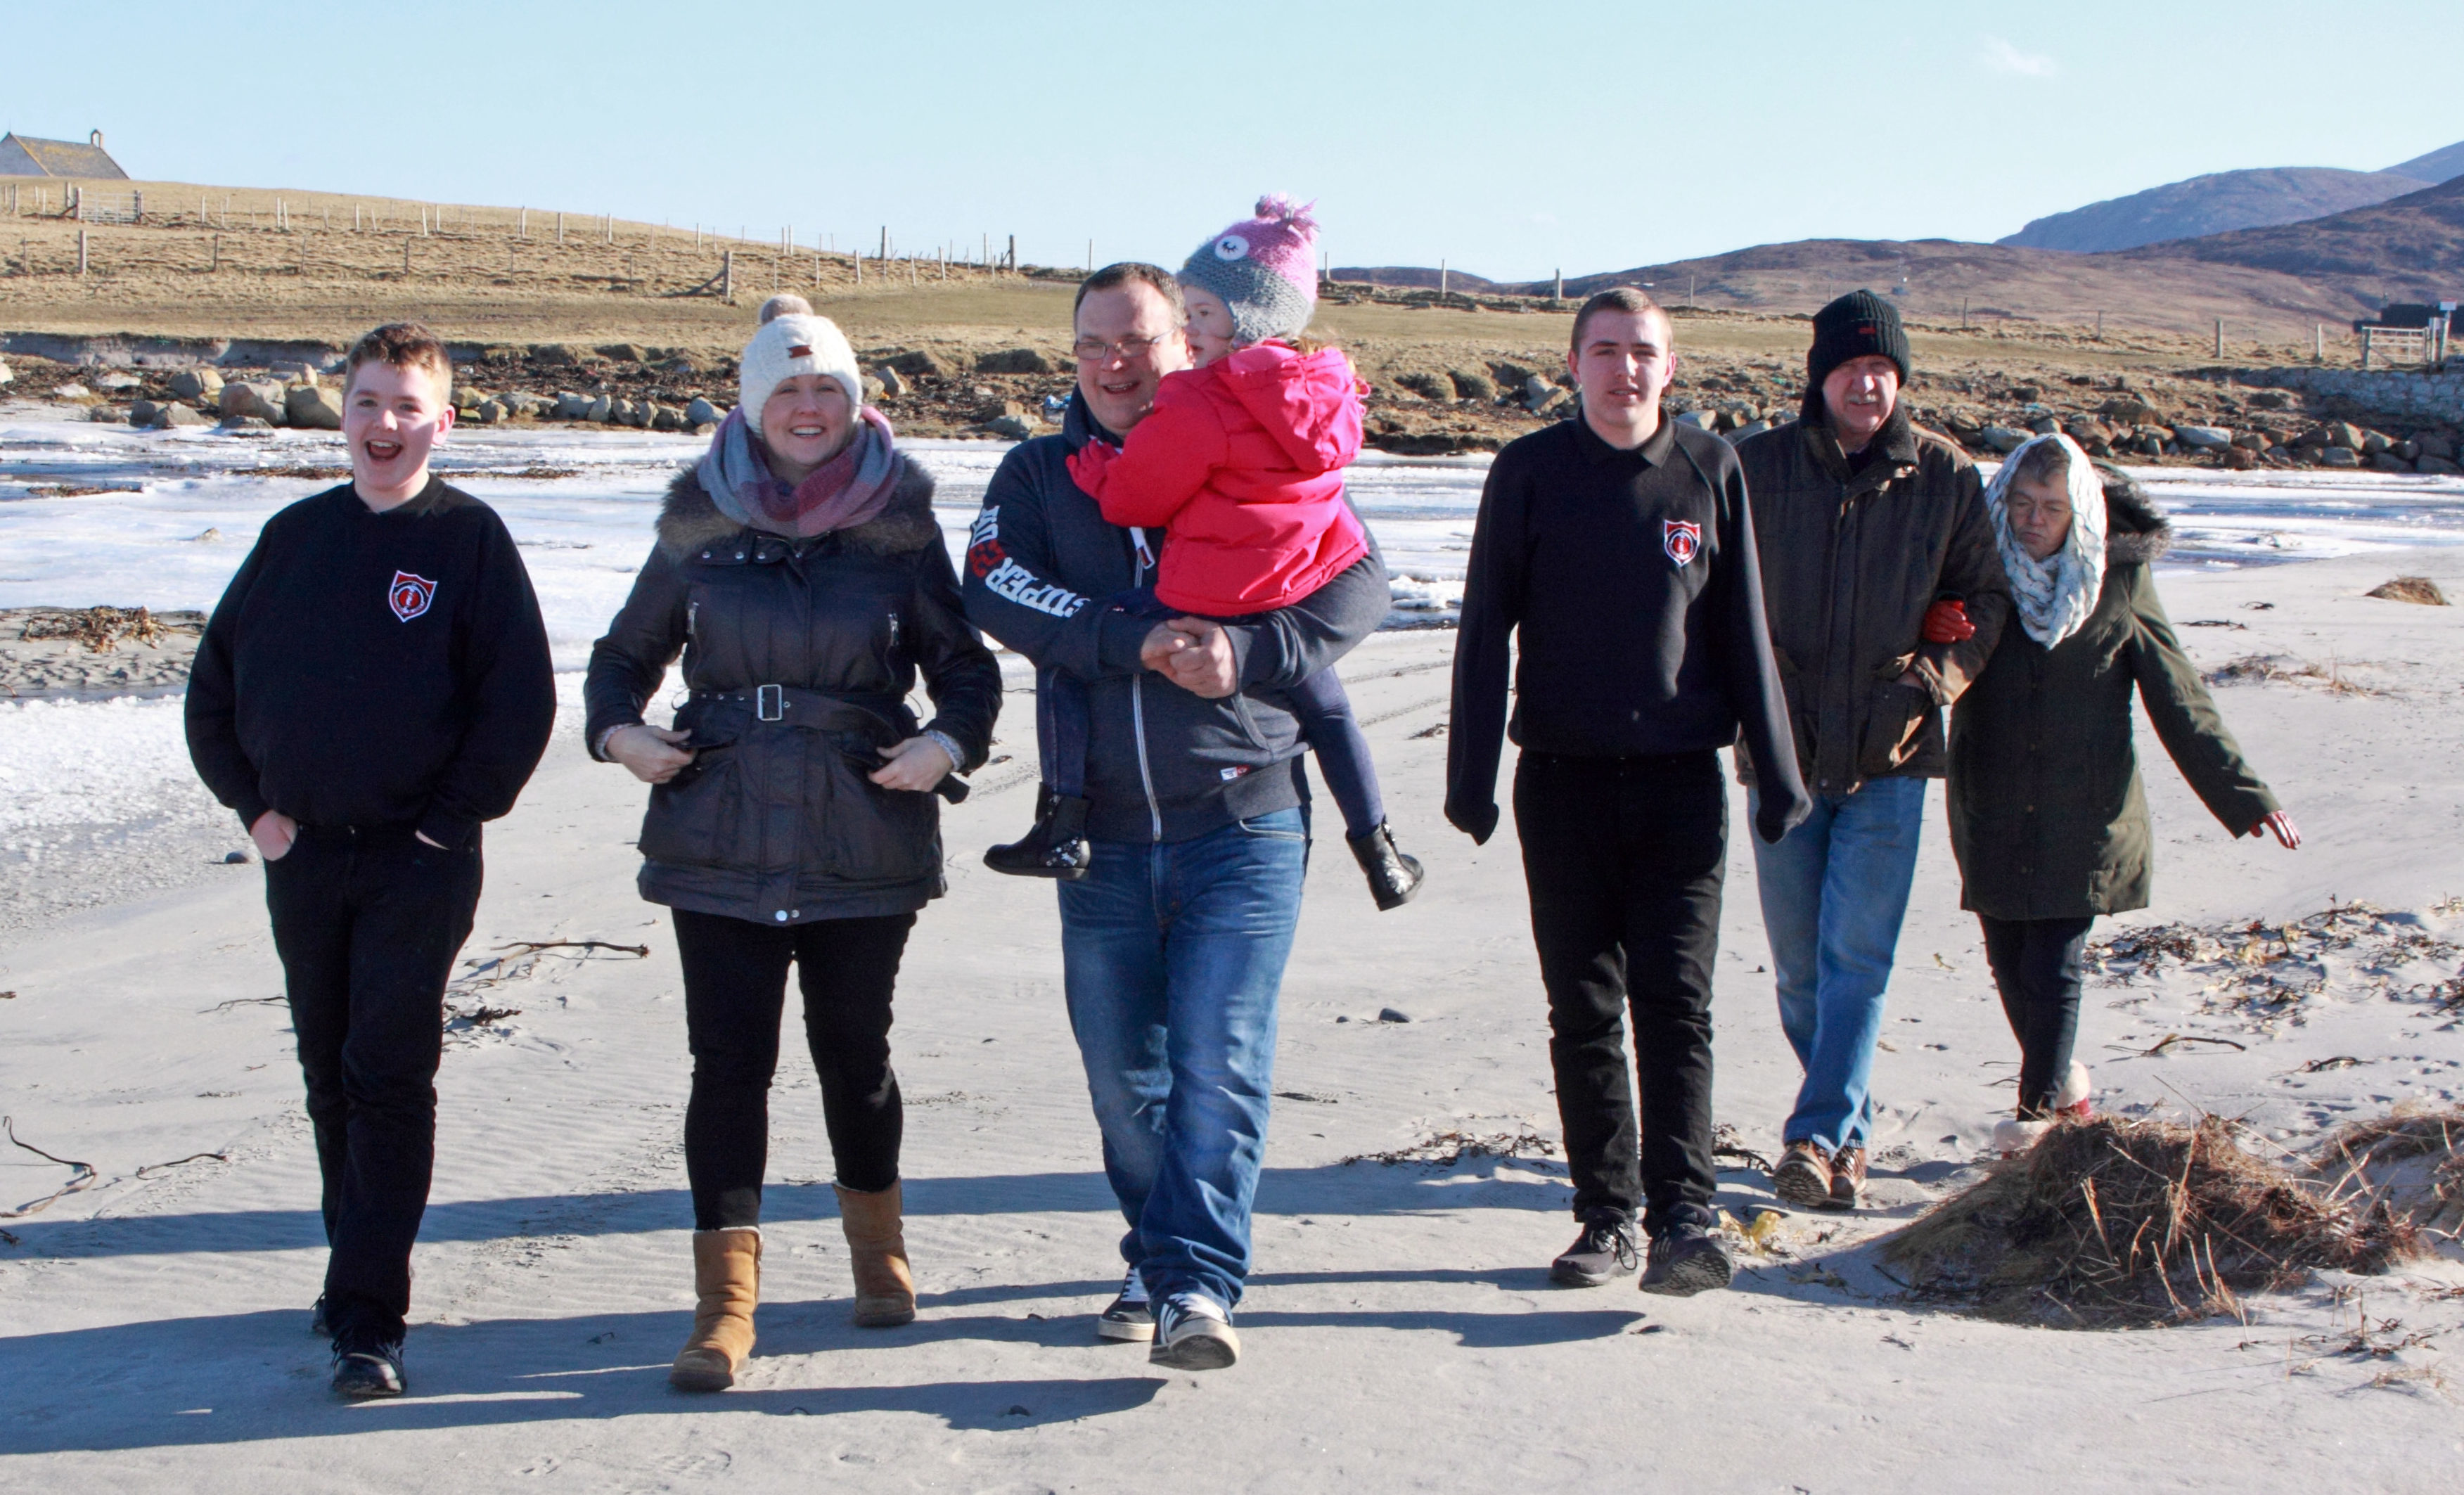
(1242, 463)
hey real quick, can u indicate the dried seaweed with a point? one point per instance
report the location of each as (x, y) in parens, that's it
(2111, 1223)
(82, 1176)
(1446, 1149)
(2264, 970)
(100, 629)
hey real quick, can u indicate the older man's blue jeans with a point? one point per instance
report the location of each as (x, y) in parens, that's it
(1173, 956)
(1834, 892)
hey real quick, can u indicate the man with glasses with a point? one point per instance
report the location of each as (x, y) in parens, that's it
(1174, 941)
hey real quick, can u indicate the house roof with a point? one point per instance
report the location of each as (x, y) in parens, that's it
(71, 159)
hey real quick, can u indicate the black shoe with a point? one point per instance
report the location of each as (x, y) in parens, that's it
(1130, 1317)
(366, 1367)
(317, 1323)
(1056, 848)
(1393, 877)
(1686, 1258)
(1605, 1249)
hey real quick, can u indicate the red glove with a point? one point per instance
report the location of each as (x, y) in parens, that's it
(1946, 622)
(1087, 464)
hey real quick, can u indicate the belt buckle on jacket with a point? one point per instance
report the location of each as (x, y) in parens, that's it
(770, 703)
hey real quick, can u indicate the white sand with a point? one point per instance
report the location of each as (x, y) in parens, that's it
(1400, 1333)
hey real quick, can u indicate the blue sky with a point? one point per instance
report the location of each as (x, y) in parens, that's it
(1510, 140)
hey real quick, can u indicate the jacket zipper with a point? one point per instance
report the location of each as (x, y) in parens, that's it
(1138, 695)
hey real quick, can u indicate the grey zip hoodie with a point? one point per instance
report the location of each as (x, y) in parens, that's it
(1162, 764)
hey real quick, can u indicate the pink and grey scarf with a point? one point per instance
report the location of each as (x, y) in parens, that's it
(844, 492)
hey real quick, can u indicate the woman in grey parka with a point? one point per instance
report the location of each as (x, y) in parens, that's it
(800, 572)
(2048, 820)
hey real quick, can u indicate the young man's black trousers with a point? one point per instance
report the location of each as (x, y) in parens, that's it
(1624, 858)
(367, 921)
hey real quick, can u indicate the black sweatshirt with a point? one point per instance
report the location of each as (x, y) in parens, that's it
(370, 669)
(1631, 579)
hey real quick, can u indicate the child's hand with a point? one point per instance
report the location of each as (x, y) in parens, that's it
(1088, 463)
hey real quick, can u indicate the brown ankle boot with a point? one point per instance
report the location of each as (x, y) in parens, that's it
(885, 1291)
(727, 1277)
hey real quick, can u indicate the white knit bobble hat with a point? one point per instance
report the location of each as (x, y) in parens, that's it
(791, 346)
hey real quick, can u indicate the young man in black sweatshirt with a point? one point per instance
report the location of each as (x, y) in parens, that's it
(1617, 550)
(374, 684)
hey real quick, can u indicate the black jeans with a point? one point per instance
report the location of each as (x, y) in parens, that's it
(736, 984)
(1624, 858)
(2035, 965)
(367, 922)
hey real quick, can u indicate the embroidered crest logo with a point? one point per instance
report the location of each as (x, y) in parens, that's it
(1683, 538)
(410, 595)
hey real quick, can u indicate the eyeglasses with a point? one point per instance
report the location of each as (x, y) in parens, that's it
(1129, 350)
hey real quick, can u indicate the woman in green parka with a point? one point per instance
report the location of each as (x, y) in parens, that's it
(2047, 816)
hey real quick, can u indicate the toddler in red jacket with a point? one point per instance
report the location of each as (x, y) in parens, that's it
(1240, 463)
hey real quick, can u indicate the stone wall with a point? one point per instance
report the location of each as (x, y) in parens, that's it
(2423, 398)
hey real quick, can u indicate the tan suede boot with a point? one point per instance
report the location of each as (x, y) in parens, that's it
(727, 1277)
(885, 1291)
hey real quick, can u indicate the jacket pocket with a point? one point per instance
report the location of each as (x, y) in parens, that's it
(865, 833)
(693, 817)
(1895, 720)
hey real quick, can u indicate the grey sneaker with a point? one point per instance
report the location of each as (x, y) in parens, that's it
(1129, 1318)
(1686, 1258)
(365, 1368)
(1605, 1249)
(1191, 1333)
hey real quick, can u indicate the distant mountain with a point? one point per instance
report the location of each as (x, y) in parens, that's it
(2439, 166)
(2409, 249)
(1410, 275)
(2216, 203)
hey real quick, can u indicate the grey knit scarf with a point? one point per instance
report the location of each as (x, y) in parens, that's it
(845, 490)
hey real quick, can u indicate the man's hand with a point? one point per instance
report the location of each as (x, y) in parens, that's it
(2280, 825)
(918, 763)
(274, 833)
(650, 752)
(1196, 655)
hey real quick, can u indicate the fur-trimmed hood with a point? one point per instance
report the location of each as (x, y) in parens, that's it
(2135, 532)
(688, 518)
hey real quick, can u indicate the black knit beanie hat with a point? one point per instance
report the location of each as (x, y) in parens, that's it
(1853, 327)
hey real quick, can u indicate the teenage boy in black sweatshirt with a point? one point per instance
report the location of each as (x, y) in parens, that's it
(373, 685)
(1618, 551)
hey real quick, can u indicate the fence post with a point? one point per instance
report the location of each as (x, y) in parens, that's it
(727, 276)
(2318, 342)
(1559, 293)
(1442, 286)
(2220, 337)
(525, 231)
(140, 208)
(1013, 253)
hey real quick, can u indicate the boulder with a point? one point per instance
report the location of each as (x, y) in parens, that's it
(1470, 384)
(1700, 420)
(2270, 399)
(636, 413)
(1011, 428)
(2436, 443)
(2044, 426)
(2241, 459)
(488, 413)
(197, 384)
(1536, 391)
(873, 390)
(603, 410)
(2130, 409)
(2203, 438)
(2339, 457)
(623, 352)
(253, 398)
(2003, 439)
(1428, 385)
(312, 408)
(141, 412)
(923, 363)
(2256, 441)
(2373, 442)
(1014, 360)
(572, 406)
(117, 383)
(110, 414)
(2343, 434)
(701, 413)
(2419, 590)
(6, 376)
(554, 355)
(2388, 462)
(175, 416)
(893, 383)
(1558, 398)
(1513, 376)
(667, 417)
(2443, 466)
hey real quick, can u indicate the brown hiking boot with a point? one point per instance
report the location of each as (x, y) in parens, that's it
(1848, 1177)
(1803, 1177)
(885, 1291)
(727, 1281)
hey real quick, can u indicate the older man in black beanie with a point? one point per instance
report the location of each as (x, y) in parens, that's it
(1885, 595)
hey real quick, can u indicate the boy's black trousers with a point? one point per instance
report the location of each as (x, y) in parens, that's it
(367, 921)
(1625, 858)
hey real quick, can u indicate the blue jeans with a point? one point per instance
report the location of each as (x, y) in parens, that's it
(1833, 892)
(1173, 956)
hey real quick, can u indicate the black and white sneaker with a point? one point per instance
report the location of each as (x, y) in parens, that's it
(1191, 1333)
(366, 1367)
(1605, 1249)
(1129, 1318)
(318, 1325)
(1686, 1258)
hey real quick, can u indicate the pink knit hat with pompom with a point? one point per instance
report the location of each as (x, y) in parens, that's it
(1265, 268)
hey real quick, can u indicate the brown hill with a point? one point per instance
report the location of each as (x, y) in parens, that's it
(2410, 248)
(2214, 204)
(1411, 277)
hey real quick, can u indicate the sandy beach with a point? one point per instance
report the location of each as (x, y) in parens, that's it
(1401, 1331)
